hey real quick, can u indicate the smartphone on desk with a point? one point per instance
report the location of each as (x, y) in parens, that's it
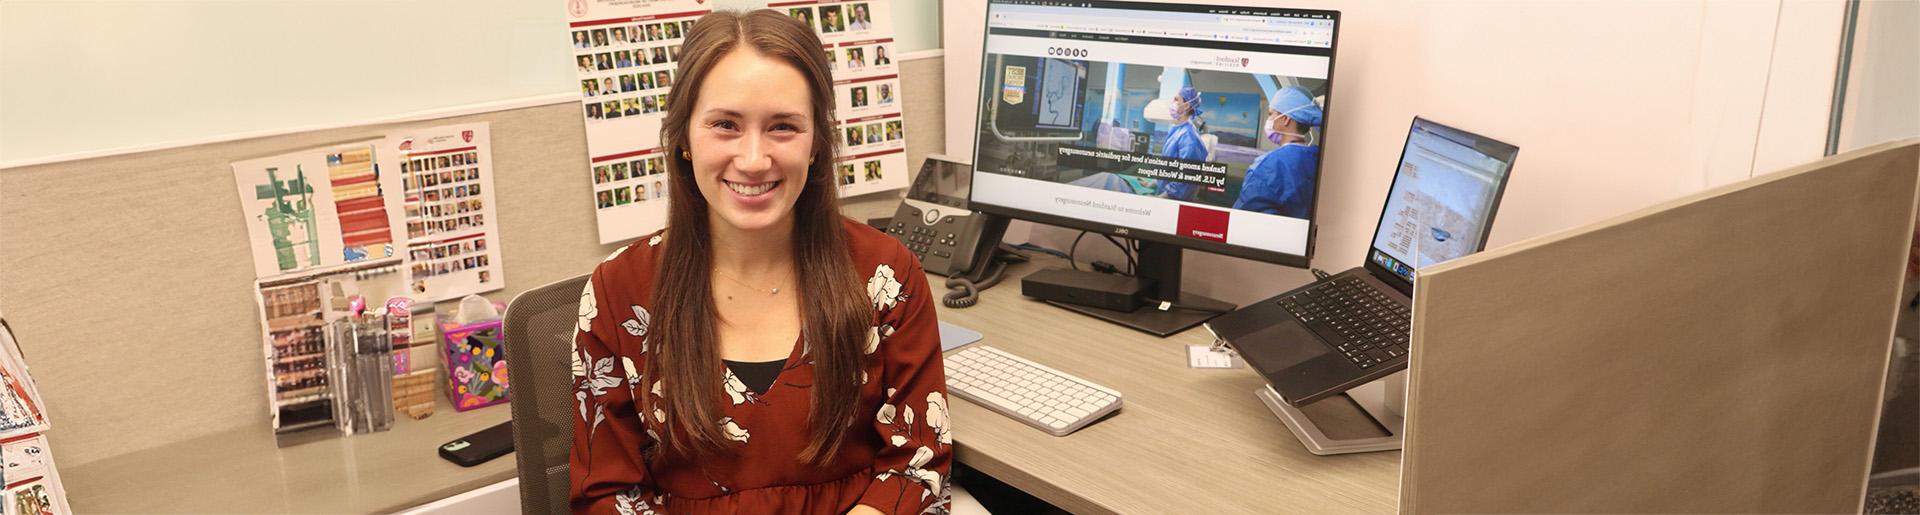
(477, 448)
(935, 224)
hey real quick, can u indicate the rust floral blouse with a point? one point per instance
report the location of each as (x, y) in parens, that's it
(895, 458)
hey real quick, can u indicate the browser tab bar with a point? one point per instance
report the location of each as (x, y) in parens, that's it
(1218, 25)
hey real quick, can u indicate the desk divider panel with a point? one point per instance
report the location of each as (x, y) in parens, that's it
(1720, 353)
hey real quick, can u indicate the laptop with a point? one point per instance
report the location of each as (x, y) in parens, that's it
(1351, 328)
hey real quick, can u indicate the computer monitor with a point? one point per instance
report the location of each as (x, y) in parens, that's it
(1177, 125)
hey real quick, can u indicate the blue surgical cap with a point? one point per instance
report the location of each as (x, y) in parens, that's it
(1294, 102)
(1192, 98)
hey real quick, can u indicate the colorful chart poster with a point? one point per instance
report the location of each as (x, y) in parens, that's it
(319, 208)
(626, 54)
(858, 36)
(453, 233)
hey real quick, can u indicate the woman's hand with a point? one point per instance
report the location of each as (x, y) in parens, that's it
(862, 509)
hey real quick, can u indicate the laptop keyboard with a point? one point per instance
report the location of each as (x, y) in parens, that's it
(1355, 318)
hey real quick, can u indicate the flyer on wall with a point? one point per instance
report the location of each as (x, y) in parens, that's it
(32, 482)
(21, 411)
(858, 36)
(453, 235)
(319, 208)
(625, 54)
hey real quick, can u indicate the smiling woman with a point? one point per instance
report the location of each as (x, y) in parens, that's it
(776, 352)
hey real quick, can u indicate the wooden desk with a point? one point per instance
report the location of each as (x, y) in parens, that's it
(243, 472)
(1185, 440)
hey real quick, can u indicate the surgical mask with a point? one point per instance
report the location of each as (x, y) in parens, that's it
(1173, 111)
(1277, 137)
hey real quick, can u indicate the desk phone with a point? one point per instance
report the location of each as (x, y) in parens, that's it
(935, 224)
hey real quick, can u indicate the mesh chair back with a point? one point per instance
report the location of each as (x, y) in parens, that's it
(539, 330)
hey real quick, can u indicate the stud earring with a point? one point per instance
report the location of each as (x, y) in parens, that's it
(685, 155)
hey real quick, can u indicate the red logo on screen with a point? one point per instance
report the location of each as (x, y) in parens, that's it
(467, 135)
(1201, 223)
(406, 144)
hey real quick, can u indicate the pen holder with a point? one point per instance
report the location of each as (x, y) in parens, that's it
(476, 363)
(360, 366)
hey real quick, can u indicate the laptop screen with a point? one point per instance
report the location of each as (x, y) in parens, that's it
(1442, 200)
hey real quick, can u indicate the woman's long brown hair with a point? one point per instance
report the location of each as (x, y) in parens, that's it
(835, 312)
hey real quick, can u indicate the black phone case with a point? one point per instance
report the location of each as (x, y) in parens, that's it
(480, 447)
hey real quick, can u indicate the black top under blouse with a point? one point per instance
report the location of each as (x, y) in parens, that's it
(757, 376)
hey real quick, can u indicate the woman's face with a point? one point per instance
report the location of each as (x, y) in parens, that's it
(750, 146)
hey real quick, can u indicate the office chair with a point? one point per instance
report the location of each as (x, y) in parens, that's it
(539, 330)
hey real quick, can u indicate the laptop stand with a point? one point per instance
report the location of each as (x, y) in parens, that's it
(1384, 400)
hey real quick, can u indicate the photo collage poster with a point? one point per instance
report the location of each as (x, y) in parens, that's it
(625, 54)
(858, 38)
(32, 483)
(319, 208)
(453, 237)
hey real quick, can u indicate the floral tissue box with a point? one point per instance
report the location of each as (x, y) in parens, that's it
(476, 364)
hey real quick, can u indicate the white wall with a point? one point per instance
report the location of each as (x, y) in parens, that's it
(1883, 88)
(85, 77)
(1614, 105)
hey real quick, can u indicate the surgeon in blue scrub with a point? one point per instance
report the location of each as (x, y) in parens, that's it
(1281, 181)
(1183, 142)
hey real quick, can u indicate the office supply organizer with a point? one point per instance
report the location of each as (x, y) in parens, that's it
(360, 365)
(476, 363)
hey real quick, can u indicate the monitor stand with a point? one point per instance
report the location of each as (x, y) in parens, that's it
(1161, 264)
(1384, 400)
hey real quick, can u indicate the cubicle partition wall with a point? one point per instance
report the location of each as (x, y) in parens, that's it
(1720, 353)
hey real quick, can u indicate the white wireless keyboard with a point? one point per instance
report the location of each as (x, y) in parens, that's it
(1042, 397)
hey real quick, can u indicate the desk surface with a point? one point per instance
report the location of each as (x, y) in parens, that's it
(243, 472)
(1185, 440)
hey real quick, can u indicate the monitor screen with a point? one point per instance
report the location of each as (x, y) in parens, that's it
(1195, 125)
(1442, 200)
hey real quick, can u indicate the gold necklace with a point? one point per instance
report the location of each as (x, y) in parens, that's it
(730, 277)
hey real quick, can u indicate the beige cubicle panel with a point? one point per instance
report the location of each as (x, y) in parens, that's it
(1720, 353)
